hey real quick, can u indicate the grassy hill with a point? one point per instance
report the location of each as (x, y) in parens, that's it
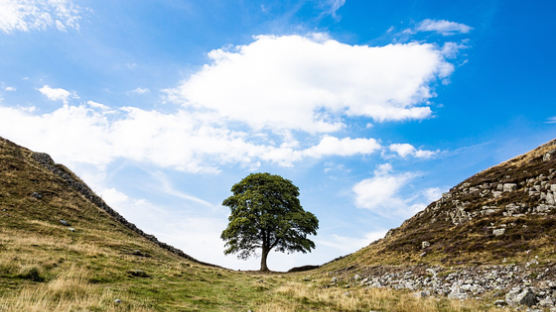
(63, 249)
(505, 214)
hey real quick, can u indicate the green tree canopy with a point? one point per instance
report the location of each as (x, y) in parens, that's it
(266, 213)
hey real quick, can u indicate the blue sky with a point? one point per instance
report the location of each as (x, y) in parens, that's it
(372, 108)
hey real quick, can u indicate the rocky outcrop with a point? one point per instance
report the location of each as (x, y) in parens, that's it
(516, 284)
(493, 234)
(71, 180)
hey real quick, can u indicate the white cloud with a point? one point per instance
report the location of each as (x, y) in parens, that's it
(380, 193)
(342, 147)
(346, 244)
(443, 27)
(405, 149)
(551, 120)
(97, 105)
(9, 89)
(431, 194)
(318, 78)
(451, 49)
(387, 193)
(191, 142)
(56, 94)
(26, 15)
(140, 90)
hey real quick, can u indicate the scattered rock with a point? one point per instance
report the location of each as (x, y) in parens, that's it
(334, 280)
(138, 273)
(36, 195)
(496, 194)
(509, 187)
(529, 299)
(550, 199)
(457, 293)
(425, 244)
(64, 222)
(117, 301)
(500, 303)
(525, 296)
(71, 229)
(498, 232)
(139, 253)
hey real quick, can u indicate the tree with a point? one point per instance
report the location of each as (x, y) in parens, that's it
(266, 213)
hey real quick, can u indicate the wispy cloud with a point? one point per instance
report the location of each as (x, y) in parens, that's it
(140, 90)
(332, 6)
(346, 244)
(166, 187)
(443, 27)
(551, 120)
(27, 15)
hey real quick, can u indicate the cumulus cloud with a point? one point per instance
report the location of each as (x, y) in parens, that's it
(56, 94)
(186, 141)
(9, 89)
(404, 150)
(443, 27)
(380, 193)
(386, 193)
(342, 147)
(320, 79)
(26, 15)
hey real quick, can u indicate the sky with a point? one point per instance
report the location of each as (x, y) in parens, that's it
(372, 108)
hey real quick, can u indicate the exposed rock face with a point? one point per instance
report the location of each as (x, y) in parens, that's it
(490, 211)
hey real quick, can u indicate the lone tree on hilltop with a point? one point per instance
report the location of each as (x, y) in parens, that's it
(266, 214)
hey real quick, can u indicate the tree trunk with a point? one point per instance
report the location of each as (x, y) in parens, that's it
(264, 268)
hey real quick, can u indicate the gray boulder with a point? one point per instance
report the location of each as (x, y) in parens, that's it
(524, 296)
(509, 187)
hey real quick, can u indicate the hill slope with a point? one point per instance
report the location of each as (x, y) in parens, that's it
(63, 249)
(494, 232)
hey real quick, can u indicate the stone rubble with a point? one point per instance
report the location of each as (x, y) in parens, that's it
(517, 284)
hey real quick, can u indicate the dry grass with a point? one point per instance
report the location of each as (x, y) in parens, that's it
(365, 299)
(46, 267)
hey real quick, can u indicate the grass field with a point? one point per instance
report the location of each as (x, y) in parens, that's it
(95, 263)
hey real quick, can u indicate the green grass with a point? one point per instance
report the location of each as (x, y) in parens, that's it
(46, 267)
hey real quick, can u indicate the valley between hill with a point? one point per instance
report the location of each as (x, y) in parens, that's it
(63, 249)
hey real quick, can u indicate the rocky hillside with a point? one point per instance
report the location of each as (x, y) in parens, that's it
(494, 233)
